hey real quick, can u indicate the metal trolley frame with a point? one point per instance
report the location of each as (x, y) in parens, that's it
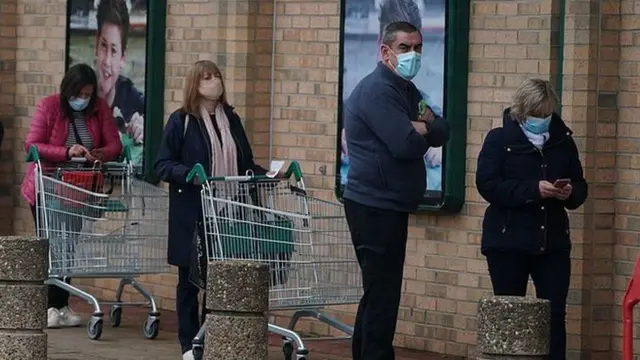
(92, 234)
(304, 240)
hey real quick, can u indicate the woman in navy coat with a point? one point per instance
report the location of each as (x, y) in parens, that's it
(215, 138)
(530, 173)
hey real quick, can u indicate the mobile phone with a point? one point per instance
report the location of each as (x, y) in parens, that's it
(560, 183)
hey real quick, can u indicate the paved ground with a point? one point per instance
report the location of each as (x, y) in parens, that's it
(128, 343)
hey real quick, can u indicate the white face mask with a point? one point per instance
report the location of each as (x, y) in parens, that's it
(211, 89)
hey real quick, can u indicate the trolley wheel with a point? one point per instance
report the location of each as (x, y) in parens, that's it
(94, 328)
(151, 328)
(115, 315)
(197, 352)
(287, 349)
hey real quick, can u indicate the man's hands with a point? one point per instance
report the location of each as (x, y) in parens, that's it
(427, 115)
(421, 124)
(421, 127)
(548, 191)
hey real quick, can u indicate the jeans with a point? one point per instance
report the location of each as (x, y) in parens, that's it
(550, 274)
(380, 239)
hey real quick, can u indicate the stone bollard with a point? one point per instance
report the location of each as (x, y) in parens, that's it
(513, 328)
(23, 298)
(237, 301)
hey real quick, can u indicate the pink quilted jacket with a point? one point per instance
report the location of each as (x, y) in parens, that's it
(49, 130)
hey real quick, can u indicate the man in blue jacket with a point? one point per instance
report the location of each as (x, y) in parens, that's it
(387, 138)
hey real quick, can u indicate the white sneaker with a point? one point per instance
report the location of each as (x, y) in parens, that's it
(188, 355)
(68, 318)
(53, 318)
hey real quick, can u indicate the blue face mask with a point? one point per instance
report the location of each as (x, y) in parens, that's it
(78, 104)
(408, 64)
(537, 125)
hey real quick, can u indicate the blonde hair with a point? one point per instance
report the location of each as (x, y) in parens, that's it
(534, 97)
(198, 71)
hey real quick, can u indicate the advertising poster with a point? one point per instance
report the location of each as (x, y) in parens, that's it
(111, 37)
(363, 24)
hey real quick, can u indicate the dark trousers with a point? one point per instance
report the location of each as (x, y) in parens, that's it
(380, 239)
(550, 274)
(57, 297)
(189, 321)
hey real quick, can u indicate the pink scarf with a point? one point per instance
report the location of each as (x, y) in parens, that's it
(224, 161)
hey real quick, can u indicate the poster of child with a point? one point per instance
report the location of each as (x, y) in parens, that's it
(110, 35)
(365, 20)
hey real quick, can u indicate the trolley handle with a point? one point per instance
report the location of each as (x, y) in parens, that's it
(34, 156)
(198, 171)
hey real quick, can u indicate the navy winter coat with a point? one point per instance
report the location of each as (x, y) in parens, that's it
(179, 152)
(509, 170)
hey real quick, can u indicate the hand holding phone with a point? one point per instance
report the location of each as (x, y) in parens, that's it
(560, 183)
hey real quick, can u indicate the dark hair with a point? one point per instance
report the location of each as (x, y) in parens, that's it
(394, 11)
(389, 32)
(114, 12)
(78, 76)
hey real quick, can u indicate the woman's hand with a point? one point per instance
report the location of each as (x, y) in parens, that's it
(547, 190)
(95, 154)
(565, 192)
(77, 151)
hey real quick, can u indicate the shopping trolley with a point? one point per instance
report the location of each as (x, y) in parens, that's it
(118, 233)
(304, 240)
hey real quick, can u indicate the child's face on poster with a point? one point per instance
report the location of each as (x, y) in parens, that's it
(110, 57)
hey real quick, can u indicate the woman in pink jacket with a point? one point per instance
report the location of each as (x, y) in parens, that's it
(73, 123)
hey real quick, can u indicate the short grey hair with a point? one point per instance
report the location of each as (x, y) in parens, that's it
(390, 31)
(534, 97)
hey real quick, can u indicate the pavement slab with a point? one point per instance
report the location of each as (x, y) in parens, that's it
(128, 343)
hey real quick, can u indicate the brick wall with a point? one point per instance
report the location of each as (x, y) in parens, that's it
(445, 274)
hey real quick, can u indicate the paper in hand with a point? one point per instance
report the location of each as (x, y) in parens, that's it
(274, 168)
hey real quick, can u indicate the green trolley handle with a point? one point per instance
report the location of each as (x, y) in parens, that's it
(198, 171)
(34, 156)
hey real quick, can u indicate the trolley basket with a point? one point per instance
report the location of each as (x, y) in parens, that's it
(101, 221)
(304, 240)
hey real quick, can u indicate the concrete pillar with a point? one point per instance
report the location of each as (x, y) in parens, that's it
(237, 304)
(513, 328)
(23, 298)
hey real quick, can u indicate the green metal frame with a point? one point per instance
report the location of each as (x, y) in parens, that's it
(154, 87)
(154, 82)
(456, 84)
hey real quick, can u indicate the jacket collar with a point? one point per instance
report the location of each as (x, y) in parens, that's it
(558, 130)
(383, 71)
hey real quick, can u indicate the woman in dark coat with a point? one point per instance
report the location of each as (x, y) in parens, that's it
(215, 138)
(530, 173)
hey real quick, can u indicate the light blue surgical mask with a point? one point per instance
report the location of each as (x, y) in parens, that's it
(408, 64)
(537, 125)
(78, 104)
